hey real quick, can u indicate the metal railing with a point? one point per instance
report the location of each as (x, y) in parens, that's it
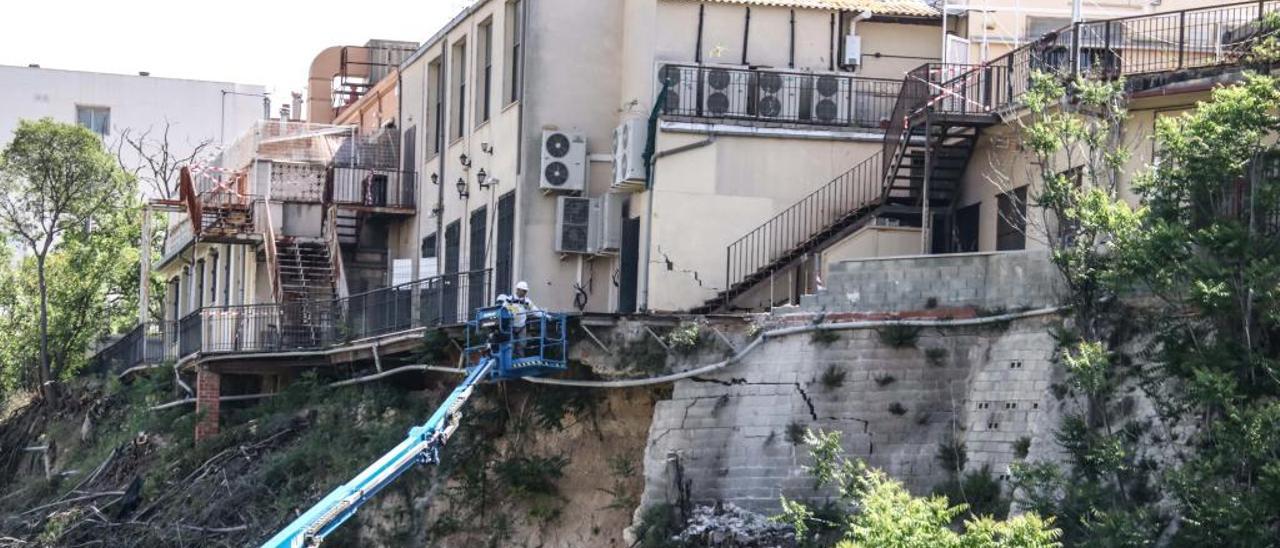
(178, 237)
(444, 300)
(850, 193)
(144, 345)
(373, 187)
(827, 99)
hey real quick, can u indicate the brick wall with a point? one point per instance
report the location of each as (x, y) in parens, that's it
(208, 390)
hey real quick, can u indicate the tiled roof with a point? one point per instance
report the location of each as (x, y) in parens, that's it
(878, 7)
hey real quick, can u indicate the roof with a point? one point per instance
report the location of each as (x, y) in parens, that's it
(916, 8)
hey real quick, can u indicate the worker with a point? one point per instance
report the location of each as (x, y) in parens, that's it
(521, 307)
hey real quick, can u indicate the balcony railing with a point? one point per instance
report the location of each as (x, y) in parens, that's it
(145, 345)
(308, 325)
(177, 239)
(758, 95)
(373, 188)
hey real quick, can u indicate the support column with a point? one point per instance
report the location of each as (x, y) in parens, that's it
(208, 390)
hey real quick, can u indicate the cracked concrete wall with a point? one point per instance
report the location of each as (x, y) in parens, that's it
(727, 432)
(725, 436)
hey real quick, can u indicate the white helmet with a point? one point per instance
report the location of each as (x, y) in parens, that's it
(522, 285)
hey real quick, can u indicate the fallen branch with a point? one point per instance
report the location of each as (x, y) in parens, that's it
(214, 529)
(77, 499)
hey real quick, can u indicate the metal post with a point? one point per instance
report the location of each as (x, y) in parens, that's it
(924, 186)
(144, 274)
(1182, 38)
(1074, 56)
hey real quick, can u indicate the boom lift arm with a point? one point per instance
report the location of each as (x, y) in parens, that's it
(498, 351)
(422, 446)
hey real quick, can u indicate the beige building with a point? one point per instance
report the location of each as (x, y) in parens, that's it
(697, 156)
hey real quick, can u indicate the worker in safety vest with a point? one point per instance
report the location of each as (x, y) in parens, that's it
(521, 307)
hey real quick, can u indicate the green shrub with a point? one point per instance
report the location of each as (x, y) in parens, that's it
(795, 432)
(658, 525)
(897, 409)
(952, 456)
(685, 337)
(1022, 447)
(884, 380)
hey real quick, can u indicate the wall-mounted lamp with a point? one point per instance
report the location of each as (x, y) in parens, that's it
(435, 179)
(462, 189)
(465, 161)
(437, 210)
(482, 179)
(486, 148)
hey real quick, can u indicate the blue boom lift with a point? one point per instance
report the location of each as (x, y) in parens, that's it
(494, 353)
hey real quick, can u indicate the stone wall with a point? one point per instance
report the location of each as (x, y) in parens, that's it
(725, 435)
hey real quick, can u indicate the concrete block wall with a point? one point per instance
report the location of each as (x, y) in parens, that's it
(727, 431)
(998, 280)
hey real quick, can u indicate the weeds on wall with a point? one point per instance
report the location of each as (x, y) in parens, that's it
(899, 336)
(684, 338)
(823, 337)
(898, 409)
(936, 356)
(795, 432)
(978, 489)
(885, 379)
(833, 377)
(1021, 447)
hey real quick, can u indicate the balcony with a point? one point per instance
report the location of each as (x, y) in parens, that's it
(374, 190)
(300, 326)
(830, 100)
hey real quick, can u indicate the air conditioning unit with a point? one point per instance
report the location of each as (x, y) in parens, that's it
(852, 50)
(564, 161)
(577, 225)
(611, 221)
(682, 89)
(628, 155)
(724, 92)
(831, 98)
(778, 95)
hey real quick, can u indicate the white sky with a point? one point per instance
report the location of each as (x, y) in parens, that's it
(265, 42)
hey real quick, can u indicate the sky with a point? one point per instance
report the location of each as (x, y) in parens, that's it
(264, 42)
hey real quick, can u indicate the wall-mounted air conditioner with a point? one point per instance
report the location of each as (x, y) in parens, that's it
(778, 95)
(564, 161)
(628, 154)
(724, 92)
(831, 99)
(611, 221)
(577, 225)
(682, 89)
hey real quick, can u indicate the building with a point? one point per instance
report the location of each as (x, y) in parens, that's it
(196, 111)
(701, 156)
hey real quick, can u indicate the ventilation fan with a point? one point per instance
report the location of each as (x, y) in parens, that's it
(830, 102)
(717, 100)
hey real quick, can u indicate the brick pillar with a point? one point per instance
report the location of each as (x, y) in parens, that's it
(208, 390)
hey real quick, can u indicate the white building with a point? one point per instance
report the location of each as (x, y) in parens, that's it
(197, 111)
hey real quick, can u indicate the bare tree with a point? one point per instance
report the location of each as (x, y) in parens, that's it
(157, 164)
(54, 178)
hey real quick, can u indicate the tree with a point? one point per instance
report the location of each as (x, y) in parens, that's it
(888, 516)
(56, 181)
(154, 163)
(1209, 251)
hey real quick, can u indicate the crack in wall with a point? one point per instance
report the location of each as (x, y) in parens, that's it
(670, 265)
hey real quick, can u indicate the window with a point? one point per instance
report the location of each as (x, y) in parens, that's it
(1040, 26)
(514, 39)
(1011, 225)
(97, 119)
(458, 79)
(484, 71)
(198, 294)
(435, 106)
(213, 279)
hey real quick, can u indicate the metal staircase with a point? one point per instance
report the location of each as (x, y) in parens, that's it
(306, 270)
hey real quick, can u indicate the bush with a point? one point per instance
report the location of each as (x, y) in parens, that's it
(980, 490)
(685, 337)
(1022, 447)
(795, 433)
(884, 380)
(658, 527)
(897, 409)
(952, 456)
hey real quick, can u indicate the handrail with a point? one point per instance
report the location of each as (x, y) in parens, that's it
(335, 250)
(853, 190)
(269, 244)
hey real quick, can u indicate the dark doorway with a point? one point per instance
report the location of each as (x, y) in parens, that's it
(1011, 225)
(477, 291)
(504, 252)
(629, 263)
(449, 284)
(966, 233)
